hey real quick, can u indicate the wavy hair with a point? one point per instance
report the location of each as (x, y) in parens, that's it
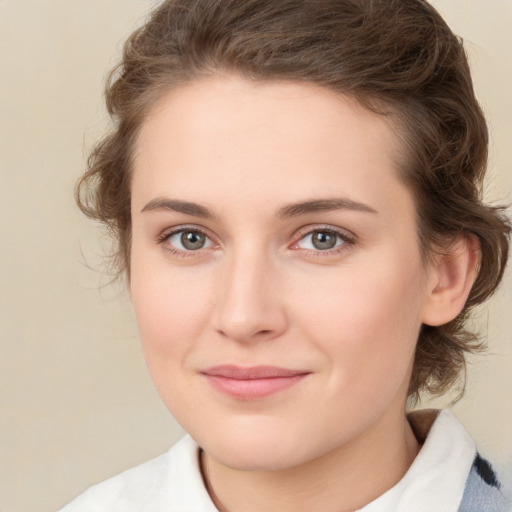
(398, 58)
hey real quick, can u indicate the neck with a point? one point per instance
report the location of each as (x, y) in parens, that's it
(343, 480)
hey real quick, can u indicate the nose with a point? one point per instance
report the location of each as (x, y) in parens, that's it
(250, 305)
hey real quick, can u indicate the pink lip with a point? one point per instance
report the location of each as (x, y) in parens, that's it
(252, 383)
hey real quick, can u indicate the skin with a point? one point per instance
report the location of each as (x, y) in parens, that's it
(259, 292)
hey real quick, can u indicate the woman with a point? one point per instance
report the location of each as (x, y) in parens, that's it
(295, 192)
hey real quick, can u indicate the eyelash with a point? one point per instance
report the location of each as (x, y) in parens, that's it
(166, 235)
(346, 241)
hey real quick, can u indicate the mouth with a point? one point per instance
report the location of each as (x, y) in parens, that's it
(252, 383)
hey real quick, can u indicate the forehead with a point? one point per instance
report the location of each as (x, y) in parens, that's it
(272, 138)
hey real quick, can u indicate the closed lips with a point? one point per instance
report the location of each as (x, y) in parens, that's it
(252, 383)
(252, 373)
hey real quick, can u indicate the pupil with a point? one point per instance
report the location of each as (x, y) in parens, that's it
(192, 240)
(324, 240)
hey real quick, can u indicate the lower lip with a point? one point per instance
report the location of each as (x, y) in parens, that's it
(252, 389)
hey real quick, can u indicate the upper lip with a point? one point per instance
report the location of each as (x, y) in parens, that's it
(229, 371)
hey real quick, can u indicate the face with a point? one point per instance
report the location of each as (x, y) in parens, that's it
(275, 269)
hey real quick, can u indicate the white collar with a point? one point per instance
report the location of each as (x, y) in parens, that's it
(437, 477)
(173, 482)
(435, 481)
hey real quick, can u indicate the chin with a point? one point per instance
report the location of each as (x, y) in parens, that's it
(260, 447)
(268, 457)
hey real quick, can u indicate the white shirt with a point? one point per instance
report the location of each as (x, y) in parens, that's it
(173, 483)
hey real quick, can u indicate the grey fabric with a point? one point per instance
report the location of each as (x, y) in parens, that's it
(482, 492)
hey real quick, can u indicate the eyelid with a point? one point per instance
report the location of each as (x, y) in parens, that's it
(346, 236)
(169, 232)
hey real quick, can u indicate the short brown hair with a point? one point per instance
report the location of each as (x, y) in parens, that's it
(397, 57)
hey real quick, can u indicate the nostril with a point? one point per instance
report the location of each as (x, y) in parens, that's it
(245, 333)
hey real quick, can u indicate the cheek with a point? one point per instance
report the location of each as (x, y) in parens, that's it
(171, 312)
(367, 320)
(171, 308)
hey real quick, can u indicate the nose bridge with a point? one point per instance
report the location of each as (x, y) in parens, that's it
(249, 304)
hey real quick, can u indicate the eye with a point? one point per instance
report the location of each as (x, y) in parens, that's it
(321, 240)
(188, 240)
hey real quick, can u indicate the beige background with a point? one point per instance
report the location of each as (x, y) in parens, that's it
(76, 404)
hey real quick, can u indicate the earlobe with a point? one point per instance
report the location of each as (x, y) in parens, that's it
(452, 275)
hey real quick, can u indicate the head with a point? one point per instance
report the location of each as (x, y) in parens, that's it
(398, 60)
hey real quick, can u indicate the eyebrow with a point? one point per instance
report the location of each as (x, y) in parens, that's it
(290, 210)
(173, 205)
(323, 205)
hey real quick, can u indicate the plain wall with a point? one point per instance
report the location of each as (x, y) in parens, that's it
(76, 404)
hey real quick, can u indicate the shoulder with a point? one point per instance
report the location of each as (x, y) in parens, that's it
(463, 471)
(442, 477)
(482, 492)
(127, 488)
(170, 482)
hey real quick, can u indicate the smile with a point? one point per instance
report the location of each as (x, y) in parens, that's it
(252, 383)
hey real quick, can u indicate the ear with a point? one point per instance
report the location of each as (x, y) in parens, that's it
(451, 277)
